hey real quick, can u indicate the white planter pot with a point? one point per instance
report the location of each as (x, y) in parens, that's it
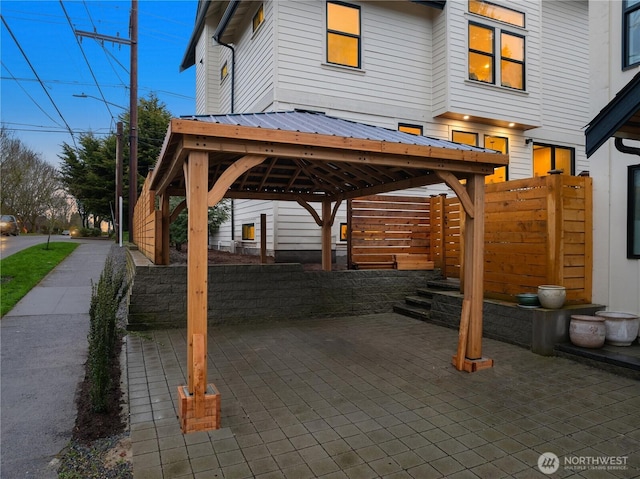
(587, 331)
(552, 296)
(621, 328)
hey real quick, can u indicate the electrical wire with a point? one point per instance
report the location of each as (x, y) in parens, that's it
(87, 61)
(39, 80)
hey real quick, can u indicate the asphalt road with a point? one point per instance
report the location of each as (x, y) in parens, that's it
(13, 244)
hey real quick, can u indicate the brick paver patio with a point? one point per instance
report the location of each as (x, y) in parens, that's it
(376, 397)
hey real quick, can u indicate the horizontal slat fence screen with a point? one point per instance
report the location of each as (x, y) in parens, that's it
(382, 226)
(146, 224)
(539, 231)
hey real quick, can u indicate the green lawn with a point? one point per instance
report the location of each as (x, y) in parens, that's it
(23, 270)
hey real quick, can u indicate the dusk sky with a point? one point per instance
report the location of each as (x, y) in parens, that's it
(44, 64)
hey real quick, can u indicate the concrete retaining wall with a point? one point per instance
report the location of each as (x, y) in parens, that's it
(239, 293)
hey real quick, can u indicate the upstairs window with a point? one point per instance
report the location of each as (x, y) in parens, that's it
(258, 18)
(224, 72)
(631, 33)
(552, 158)
(485, 41)
(633, 213)
(343, 34)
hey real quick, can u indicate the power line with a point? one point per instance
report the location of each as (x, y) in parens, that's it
(87, 61)
(28, 95)
(38, 77)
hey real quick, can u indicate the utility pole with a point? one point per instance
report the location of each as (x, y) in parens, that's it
(119, 151)
(133, 104)
(133, 117)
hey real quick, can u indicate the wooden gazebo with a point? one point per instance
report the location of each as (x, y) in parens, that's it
(307, 157)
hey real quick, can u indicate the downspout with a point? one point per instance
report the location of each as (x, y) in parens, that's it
(224, 22)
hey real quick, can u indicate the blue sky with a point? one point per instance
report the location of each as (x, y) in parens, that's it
(43, 32)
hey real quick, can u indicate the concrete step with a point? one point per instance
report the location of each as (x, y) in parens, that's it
(418, 301)
(411, 311)
(444, 284)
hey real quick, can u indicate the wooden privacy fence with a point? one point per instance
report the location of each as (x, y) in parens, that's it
(384, 226)
(537, 231)
(147, 224)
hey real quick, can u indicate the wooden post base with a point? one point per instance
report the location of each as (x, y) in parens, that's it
(187, 410)
(473, 365)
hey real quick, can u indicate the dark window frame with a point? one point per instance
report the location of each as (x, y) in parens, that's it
(259, 17)
(633, 210)
(553, 155)
(224, 71)
(344, 34)
(481, 53)
(506, 138)
(410, 125)
(524, 18)
(627, 11)
(511, 60)
(453, 132)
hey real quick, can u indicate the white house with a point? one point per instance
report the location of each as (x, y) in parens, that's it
(615, 165)
(507, 75)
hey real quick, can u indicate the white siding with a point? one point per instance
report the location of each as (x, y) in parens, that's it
(207, 74)
(396, 51)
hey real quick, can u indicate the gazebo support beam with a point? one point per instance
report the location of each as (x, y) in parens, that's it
(198, 404)
(469, 355)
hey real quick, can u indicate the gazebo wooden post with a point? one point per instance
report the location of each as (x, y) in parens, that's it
(469, 355)
(198, 410)
(326, 235)
(165, 214)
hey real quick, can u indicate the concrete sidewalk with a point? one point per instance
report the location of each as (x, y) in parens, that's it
(376, 397)
(43, 350)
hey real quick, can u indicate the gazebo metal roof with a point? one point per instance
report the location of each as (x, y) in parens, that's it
(312, 156)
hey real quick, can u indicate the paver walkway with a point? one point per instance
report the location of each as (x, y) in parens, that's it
(376, 396)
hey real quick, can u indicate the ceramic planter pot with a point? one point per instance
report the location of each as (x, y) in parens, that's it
(621, 328)
(587, 331)
(552, 296)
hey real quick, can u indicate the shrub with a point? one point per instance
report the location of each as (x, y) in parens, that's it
(106, 296)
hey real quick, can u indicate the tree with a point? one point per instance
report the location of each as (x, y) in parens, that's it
(27, 182)
(178, 229)
(89, 173)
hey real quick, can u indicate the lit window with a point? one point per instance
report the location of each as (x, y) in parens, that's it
(343, 34)
(483, 47)
(465, 138)
(258, 18)
(224, 71)
(552, 158)
(344, 231)
(631, 33)
(633, 213)
(248, 231)
(500, 144)
(413, 129)
(497, 12)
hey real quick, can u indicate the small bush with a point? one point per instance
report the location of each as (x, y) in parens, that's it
(106, 296)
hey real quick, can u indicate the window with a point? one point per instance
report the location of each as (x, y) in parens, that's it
(465, 138)
(552, 158)
(633, 213)
(343, 34)
(258, 18)
(631, 33)
(485, 41)
(502, 145)
(496, 12)
(344, 231)
(248, 231)
(413, 129)
(224, 71)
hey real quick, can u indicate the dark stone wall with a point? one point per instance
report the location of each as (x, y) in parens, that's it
(242, 293)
